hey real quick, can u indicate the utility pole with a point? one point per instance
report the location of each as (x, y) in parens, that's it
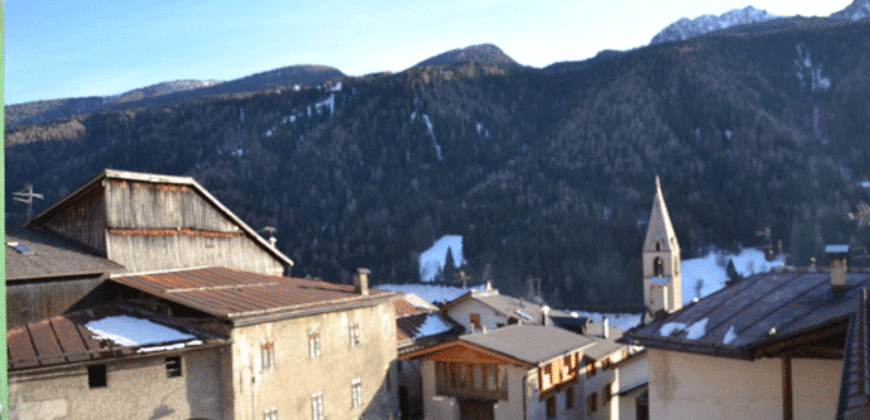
(26, 196)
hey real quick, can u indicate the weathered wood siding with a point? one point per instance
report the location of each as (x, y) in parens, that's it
(137, 205)
(141, 252)
(28, 302)
(83, 220)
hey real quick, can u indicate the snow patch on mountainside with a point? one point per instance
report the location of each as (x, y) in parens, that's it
(710, 269)
(858, 10)
(809, 75)
(685, 28)
(433, 259)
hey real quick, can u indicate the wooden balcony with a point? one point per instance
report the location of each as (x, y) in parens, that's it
(558, 372)
(476, 381)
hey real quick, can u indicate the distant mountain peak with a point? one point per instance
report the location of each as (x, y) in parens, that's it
(858, 10)
(685, 28)
(484, 53)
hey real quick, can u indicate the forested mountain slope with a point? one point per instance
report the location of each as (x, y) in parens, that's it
(547, 174)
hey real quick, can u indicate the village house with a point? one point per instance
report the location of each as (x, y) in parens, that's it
(488, 308)
(113, 362)
(419, 324)
(162, 245)
(514, 372)
(300, 348)
(599, 392)
(788, 344)
(123, 221)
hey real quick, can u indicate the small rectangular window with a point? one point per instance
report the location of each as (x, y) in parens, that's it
(356, 393)
(569, 397)
(475, 320)
(267, 355)
(592, 403)
(313, 345)
(606, 395)
(551, 407)
(317, 406)
(97, 377)
(354, 335)
(173, 367)
(271, 414)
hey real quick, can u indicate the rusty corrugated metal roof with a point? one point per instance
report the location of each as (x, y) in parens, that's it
(65, 339)
(234, 295)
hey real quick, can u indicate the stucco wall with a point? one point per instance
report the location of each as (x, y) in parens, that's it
(289, 385)
(137, 389)
(596, 383)
(684, 385)
(629, 374)
(461, 313)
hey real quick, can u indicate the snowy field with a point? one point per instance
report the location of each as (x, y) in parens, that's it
(711, 270)
(433, 259)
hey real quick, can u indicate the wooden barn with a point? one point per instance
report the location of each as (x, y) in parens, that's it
(148, 222)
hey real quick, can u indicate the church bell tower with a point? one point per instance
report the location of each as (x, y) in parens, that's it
(662, 288)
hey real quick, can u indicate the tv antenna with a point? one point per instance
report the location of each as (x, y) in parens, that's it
(26, 196)
(768, 253)
(862, 215)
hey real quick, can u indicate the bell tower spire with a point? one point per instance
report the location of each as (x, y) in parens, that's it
(662, 286)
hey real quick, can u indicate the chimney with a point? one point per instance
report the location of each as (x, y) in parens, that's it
(489, 286)
(483, 329)
(470, 327)
(361, 281)
(837, 255)
(545, 315)
(272, 241)
(605, 327)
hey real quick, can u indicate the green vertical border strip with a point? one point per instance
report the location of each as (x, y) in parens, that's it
(4, 384)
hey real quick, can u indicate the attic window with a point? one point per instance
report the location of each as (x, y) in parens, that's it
(173, 367)
(97, 376)
(20, 248)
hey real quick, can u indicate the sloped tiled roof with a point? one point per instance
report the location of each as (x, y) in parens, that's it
(509, 306)
(52, 256)
(533, 344)
(239, 295)
(65, 339)
(760, 310)
(411, 319)
(854, 401)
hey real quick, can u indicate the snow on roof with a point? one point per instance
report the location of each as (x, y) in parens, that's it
(433, 325)
(730, 336)
(130, 331)
(697, 330)
(671, 327)
(430, 292)
(623, 321)
(523, 314)
(837, 249)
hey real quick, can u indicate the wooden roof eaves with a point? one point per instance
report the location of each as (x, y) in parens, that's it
(687, 346)
(449, 305)
(66, 200)
(474, 347)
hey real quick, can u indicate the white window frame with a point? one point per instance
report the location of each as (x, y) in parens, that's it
(314, 344)
(317, 406)
(267, 355)
(354, 335)
(271, 414)
(356, 393)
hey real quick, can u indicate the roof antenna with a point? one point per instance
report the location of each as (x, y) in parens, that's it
(30, 195)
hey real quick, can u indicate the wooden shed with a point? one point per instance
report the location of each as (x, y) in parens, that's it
(149, 222)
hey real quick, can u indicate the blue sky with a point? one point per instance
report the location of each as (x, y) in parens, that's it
(56, 49)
